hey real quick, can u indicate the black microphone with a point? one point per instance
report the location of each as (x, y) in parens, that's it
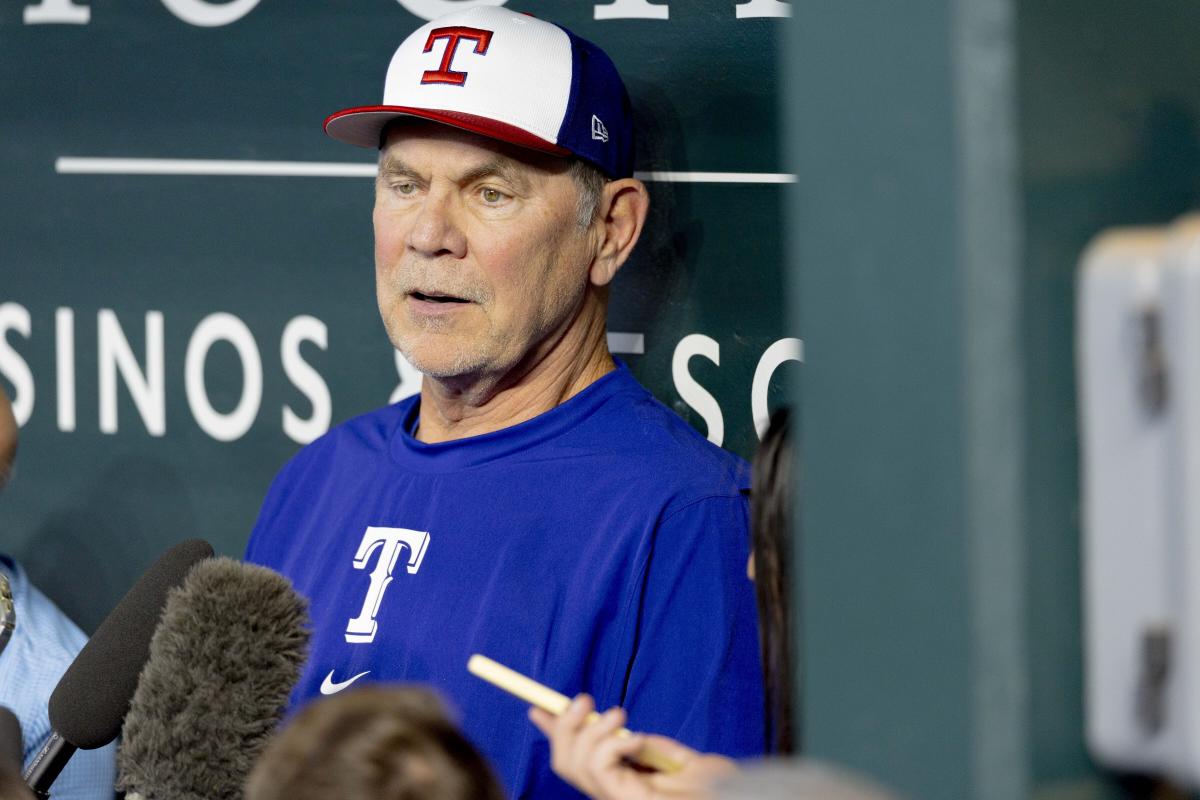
(90, 701)
(11, 749)
(222, 664)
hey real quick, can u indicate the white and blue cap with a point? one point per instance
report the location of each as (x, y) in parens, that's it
(506, 76)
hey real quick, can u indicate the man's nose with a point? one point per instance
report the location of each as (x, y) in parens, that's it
(436, 230)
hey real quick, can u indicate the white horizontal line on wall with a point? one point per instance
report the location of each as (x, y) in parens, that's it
(75, 165)
(716, 177)
(69, 165)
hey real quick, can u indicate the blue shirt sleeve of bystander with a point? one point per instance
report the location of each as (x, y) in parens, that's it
(43, 645)
(89, 775)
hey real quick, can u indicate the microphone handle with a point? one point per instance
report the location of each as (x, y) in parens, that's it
(48, 763)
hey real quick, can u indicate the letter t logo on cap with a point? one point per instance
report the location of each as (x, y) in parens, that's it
(453, 36)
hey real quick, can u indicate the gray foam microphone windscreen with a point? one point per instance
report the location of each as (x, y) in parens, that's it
(222, 664)
(90, 701)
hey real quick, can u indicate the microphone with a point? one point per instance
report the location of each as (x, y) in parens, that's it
(222, 664)
(11, 749)
(90, 701)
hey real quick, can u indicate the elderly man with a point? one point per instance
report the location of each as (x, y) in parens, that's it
(41, 644)
(534, 503)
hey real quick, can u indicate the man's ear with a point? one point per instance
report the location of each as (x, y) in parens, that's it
(621, 215)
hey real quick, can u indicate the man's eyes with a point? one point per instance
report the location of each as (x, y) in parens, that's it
(489, 195)
(492, 196)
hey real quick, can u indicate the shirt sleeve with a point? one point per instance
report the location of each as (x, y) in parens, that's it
(695, 673)
(89, 775)
(42, 648)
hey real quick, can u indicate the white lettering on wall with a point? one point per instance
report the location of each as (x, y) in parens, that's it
(631, 9)
(57, 12)
(212, 329)
(763, 8)
(145, 377)
(775, 355)
(432, 9)
(695, 395)
(410, 379)
(14, 317)
(146, 388)
(207, 14)
(64, 355)
(306, 379)
(210, 15)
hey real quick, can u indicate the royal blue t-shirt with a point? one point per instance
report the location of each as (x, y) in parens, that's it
(598, 547)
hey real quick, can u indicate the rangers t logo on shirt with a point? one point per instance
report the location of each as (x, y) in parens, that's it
(389, 542)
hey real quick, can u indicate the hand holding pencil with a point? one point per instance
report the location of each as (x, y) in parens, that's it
(598, 755)
(591, 757)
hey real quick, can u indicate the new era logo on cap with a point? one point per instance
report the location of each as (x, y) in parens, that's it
(506, 76)
(599, 132)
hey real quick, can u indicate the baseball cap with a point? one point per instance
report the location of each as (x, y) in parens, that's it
(507, 76)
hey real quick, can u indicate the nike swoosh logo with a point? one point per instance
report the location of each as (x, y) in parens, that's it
(329, 687)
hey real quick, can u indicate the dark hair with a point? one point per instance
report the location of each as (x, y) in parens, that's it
(372, 743)
(771, 540)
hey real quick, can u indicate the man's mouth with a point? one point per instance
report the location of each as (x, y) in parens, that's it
(435, 297)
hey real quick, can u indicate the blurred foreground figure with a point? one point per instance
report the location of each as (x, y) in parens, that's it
(588, 755)
(37, 644)
(797, 780)
(11, 785)
(372, 743)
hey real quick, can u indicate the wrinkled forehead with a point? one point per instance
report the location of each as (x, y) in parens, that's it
(406, 140)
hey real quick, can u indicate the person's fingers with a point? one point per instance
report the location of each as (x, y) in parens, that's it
(563, 732)
(611, 751)
(584, 748)
(605, 726)
(588, 753)
(669, 748)
(611, 777)
(542, 720)
(575, 717)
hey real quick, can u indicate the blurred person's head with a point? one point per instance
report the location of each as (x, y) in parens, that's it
(372, 743)
(12, 787)
(8, 438)
(798, 780)
(771, 532)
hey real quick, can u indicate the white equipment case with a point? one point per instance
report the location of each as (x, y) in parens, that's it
(1138, 357)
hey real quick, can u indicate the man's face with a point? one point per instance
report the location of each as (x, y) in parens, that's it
(479, 257)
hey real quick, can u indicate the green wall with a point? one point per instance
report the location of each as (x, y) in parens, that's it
(1109, 105)
(955, 158)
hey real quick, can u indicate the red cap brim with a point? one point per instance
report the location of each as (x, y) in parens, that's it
(363, 126)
